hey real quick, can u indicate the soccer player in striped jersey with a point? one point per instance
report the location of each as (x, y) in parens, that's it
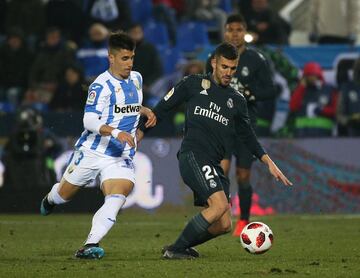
(108, 144)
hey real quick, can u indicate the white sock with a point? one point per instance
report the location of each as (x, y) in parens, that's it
(54, 197)
(105, 217)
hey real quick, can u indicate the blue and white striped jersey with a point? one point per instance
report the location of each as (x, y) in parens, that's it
(118, 103)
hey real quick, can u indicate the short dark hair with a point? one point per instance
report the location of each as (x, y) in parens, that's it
(238, 18)
(120, 40)
(227, 51)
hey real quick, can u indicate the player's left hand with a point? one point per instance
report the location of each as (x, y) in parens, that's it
(278, 175)
(151, 119)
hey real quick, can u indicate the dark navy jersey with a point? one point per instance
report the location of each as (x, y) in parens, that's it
(213, 115)
(254, 74)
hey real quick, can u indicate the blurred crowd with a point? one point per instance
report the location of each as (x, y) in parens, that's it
(51, 50)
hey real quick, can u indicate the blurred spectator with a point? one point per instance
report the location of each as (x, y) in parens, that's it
(169, 11)
(313, 104)
(265, 24)
(51, 61)
(266, 111)
(68, 16)
(15, 62)
(27, 153)
(71, 92)
(166, 83)
(348, 110)
(334, 21)
(114, 14)
(207, 10)
(344, 68)
(286, 78)
(146, 61)
(27, 15)
(93, 55)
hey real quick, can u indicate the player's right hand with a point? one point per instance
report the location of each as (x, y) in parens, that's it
(125, 137)
(278, 175)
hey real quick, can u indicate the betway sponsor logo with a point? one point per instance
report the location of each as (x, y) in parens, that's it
(127, 109)
(212, 113)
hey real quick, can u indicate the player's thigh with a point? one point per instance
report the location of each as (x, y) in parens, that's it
(225, 165)
(244, 158)
(243, 174)
(117, 186)
(200, 175)
(118, 177)
(82, 169)
(67, 190)
(224, 180)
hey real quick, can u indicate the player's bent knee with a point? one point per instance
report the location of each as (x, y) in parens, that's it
(117, 186)
(220, 209)
(226, 227)
(67, 190)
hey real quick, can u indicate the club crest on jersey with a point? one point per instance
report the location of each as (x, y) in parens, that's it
(245, 71)
(213, 183)
(71, 169)
(137, 84)
(205, 83)
(91, 97)
(169, 94)
(230, 103)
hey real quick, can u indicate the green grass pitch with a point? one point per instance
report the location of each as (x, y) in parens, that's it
(304, 246)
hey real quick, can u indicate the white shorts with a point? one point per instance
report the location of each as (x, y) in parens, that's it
(87, 165)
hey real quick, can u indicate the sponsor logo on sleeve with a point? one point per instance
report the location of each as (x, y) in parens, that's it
(205, 83)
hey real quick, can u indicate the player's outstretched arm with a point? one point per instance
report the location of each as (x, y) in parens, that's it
(149, 114)
(275, 171)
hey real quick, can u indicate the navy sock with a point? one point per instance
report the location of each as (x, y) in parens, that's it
(194, 232)
(245, 194)
(206, 236)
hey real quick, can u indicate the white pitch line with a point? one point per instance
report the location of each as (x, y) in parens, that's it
(327, 217)
(140, 223)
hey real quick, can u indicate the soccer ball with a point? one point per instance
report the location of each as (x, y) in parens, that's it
(256, 238)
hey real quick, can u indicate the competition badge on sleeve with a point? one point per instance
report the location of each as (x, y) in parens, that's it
(169, 94)
(91, 97)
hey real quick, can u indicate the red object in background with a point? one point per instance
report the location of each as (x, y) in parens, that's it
(353, 188)
(256, 208)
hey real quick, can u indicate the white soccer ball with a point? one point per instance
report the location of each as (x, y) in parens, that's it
(256, 238)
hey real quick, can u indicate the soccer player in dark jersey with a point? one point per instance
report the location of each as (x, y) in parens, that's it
(215, 113)
(253, 78)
